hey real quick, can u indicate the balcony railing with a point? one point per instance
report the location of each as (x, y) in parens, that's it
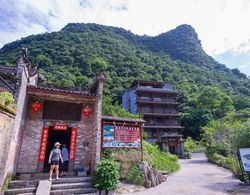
(150, 113)
(167, 123)
(162, 127)
(156, 100)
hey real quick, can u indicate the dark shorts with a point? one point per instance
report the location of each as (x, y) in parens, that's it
(53, 162)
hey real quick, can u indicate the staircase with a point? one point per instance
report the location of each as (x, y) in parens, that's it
(73, 185)
(63, 186)
(25, 187)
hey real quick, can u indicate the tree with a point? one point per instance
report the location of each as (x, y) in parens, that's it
(241, 102)
(43, 61)
(193, 120)
(214, 101)
(114, 109)
(242, 136)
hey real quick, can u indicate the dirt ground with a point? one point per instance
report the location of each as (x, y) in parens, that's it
(196, 177)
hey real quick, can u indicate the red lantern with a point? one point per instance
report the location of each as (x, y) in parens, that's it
(87, 112)
(36, 107)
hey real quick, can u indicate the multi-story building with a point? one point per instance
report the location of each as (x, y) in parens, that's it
(157, 102)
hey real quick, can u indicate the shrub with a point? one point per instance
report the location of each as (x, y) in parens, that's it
(160, 160)
(242, 136)
(229, 162)
(106, 154)
(135, 176)
(107, 175)
(7, 97)
(187, 155)
(192, 146)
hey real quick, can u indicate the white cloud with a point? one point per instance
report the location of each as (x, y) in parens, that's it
(222, 25)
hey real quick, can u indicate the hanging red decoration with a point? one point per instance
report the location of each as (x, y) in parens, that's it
(36, 107)
(87, 112)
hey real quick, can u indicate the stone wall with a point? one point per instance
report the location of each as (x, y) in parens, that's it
(85, 145)
(29, 152)
(6, 125)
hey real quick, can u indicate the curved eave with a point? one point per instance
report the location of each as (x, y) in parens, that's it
(53, 93)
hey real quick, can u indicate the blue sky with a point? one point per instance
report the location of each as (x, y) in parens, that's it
(222, 25)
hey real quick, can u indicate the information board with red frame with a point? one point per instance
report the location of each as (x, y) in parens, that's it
(121, 136)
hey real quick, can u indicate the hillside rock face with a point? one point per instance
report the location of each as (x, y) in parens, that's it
(71, 57)
(181, 43)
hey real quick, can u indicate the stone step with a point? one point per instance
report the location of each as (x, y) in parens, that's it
(72, 180)
(72, 185)
(28, 193)
(45, 175)
(20, 191)
(96, 193)
(22, 183)
(74, 191)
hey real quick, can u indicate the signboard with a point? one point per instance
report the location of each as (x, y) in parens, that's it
(43, 144)
(72, 144)
(60, 127)
(121, 136)
(245, 158)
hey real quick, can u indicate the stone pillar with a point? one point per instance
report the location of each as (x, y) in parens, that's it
(97, 124)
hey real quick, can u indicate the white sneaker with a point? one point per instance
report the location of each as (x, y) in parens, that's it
(50, 179)
(57, 178)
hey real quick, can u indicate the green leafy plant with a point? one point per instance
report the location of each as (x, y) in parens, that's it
(230, 162)
(160, 160)
(7, 97)
(106, 154)
(135, 175)
(114, 109)
(107, 175)
(192, 146)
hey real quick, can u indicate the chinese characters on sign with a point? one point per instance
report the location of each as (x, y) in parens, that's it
(245, 158)
(121, 136)
(72, 144)
(43, 144)
(60, 127)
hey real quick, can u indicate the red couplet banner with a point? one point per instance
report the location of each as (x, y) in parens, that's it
(43, 144)
(72, 144)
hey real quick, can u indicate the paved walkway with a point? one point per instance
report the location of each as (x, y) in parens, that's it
(199, 177)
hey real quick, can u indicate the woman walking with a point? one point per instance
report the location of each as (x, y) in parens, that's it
(54, 158)
(65, 156)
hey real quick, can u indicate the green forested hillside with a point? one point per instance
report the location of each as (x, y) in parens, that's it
(71, 57)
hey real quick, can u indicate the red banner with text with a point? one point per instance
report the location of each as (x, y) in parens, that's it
(43, 144)
(72, 144)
